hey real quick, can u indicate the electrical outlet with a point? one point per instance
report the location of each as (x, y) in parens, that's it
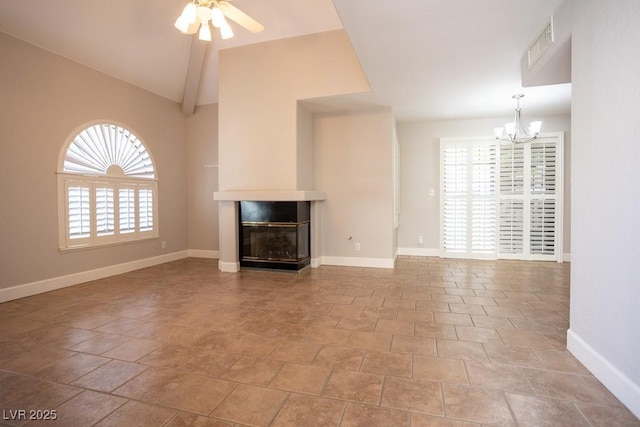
(164, 244)
(420, 240)
(432, 191)
(357, 246)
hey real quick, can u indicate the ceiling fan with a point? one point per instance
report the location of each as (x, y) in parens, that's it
(198, 13)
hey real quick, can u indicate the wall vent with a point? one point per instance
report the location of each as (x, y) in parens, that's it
(541, 44)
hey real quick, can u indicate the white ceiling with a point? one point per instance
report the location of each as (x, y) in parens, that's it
(428, 59)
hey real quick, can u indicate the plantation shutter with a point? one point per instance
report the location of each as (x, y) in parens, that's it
(127, 207)
(502, 200)
(105, 211)
(543, 197)
(145, 209)
(455, 208)
(469, 200)
(78, 213)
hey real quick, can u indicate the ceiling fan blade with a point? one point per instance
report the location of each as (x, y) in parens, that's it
(240, 17)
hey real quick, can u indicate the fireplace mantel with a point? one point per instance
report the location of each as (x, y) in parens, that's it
(269, 196)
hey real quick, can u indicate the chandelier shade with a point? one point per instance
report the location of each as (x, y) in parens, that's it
(197, 15)
(515, 132)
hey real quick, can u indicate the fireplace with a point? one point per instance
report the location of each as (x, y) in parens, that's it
(274, 235)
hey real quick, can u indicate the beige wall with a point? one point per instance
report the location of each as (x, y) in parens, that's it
(44, 98)
(353, 166)
(202, 178)
(260, 86)
(420, 171)
(605, 272)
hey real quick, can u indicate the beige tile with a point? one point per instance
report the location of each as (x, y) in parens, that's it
(37, 360)
(100, 343)
(137, 414)
(251, 405)
(413, 395)
(430, 330)
(301, 410)
(608, 416)
(169, 356)
(423, 420)
(477, 405)
(491, 323)
(254, 370)
(538, 412)
(476, 334)
(373, 416)
(380, 362)
(354, 386)
(439, 369)
(72, 368)
(85, 409)
(309, 379)
(414, 345)
(461, 350)
(496, 376)
(196, 393)
(577, 388)
(110, 376)
(210, 363)
(453, 319)
(344, 358)
(560, 361)
(184, 419)
(520, 356)
(133, 349)
(370, 341)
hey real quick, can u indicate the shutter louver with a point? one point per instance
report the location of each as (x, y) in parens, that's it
(511, 227)
(98, 147)
(455, 225)
(79, 212)
(145, 209)
(127, 205)
(105, 213)
(543, 217)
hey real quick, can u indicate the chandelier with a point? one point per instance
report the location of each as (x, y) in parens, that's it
(197, 14)
(516, 132)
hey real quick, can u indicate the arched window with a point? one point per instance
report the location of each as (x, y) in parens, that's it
(107, 189)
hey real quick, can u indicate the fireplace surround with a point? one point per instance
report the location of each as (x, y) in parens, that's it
(274, 234)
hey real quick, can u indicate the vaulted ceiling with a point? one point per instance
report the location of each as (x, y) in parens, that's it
(427, 59)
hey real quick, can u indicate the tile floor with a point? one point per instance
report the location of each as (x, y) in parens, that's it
(431, 343)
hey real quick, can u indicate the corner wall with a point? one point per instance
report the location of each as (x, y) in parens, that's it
(44, 99)
(420, 172)
(605, 272)
(202, 181)
(353, 166)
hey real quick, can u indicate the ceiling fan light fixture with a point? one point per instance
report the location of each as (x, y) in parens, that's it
(205, 32)
(182, 24)
(197, 14)
(225, 30)
(217, 18)
(190, 13)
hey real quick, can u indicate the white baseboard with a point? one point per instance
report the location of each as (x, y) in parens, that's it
(229, 267)
(419, 251)
(566, 257)
(617, 382)
(200, 253)
(46, 285)
(358, 262)
(316, 262)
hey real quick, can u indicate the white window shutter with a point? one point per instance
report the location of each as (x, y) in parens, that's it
(502, 200)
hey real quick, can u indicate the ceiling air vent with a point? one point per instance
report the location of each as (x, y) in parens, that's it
(541, 44)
